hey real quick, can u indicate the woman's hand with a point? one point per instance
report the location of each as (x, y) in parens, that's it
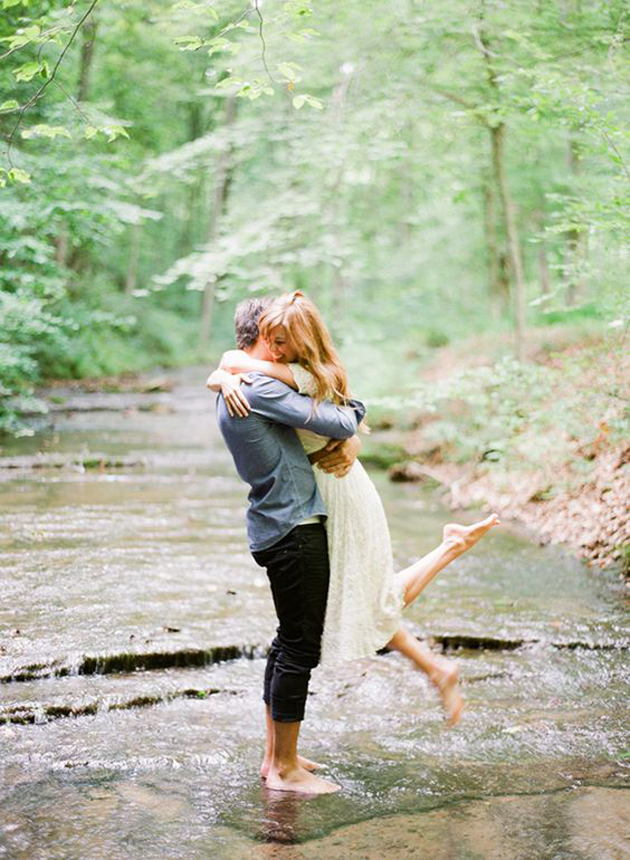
(235, 400)
(230, 387)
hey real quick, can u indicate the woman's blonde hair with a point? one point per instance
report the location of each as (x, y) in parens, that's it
(309, 338)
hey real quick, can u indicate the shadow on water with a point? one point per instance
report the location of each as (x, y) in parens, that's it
(131, 722)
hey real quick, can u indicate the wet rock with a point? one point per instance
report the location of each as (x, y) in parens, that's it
(59, 461)
(107, 664)
(478, 643)
(158, 383)
(411, 470)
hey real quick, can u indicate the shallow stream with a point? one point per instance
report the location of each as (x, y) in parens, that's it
(134, 624)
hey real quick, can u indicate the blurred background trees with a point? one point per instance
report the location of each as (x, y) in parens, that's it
(427, 172)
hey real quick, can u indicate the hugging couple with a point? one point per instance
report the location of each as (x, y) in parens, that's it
(316, 521)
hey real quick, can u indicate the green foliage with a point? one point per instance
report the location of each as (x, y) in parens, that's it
(531, 417)
(191, 148)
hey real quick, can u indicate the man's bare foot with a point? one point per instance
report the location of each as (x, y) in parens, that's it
(301, 781)
(306, 763)
(446, 681)
(462, 538)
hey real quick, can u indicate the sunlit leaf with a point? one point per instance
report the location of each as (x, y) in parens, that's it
(43, 130)
(18, 175)
(114, 131)
(306, 99)
(189, 43)
(28, 71)
(291, 71)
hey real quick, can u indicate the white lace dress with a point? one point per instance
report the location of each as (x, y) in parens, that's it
(365, 600)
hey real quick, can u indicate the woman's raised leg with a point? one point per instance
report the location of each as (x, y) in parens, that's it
(456, 540)
(443, 674)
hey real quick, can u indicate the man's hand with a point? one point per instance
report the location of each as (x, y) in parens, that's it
(338, 457)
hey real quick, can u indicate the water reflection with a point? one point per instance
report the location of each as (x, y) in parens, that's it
(279, 817)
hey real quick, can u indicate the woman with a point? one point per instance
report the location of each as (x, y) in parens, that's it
(366, 597)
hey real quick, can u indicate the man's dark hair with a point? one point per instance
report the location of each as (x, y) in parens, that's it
(246, 318)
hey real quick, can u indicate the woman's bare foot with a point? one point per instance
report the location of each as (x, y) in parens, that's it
(446, 681)
(301, 781)
(306, 763)
(462, 538)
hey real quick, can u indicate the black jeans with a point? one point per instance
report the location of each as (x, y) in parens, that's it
(298, 571)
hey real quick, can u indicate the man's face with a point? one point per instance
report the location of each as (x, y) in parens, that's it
(279, 347)
(263, 351)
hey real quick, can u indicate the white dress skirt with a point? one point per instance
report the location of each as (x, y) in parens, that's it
(365, 599)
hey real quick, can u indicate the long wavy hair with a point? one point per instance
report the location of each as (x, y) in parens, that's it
(308, 336)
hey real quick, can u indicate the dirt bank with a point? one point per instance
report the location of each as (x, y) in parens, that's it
(592, 519)
(557, 457)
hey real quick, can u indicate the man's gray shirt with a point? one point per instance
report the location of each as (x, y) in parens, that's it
(269, 455)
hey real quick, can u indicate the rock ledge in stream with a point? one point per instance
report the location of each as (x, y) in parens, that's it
(43, 713)
(81, 461)
(107, 664)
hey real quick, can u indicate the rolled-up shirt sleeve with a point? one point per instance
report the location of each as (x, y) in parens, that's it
(275, 401)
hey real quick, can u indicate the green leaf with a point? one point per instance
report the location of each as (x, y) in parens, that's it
(114, 131)
(90, 132)
(197, 8)
(220, 44)
(291, 71)
(306, 99)
(43, 130)
(11, 104)
(189, 43)
(28, 71)
(23, 36)
(18, 175)
(7, 4)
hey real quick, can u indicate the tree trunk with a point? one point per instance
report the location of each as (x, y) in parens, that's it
(543, 262)
(498, 284)
(62, 246)
(87, 55)
(497, 130)
(576, 241)
(497, 136)
(221, 190)
(134, 257)
(194, 190)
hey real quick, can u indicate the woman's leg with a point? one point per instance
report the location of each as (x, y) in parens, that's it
(443, 674)
(456, 540)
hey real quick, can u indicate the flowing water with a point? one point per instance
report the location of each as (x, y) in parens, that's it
(134, 624)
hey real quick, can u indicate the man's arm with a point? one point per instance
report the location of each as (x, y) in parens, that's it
(277, 402)
(338, 457)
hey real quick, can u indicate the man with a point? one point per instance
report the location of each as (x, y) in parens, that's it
(287, 537)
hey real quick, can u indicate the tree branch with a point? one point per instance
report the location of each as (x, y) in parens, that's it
(262, 40)
(48, 81)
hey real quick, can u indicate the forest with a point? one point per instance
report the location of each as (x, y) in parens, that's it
(448, 181)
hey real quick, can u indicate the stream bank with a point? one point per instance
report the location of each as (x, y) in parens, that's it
(545, 444)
